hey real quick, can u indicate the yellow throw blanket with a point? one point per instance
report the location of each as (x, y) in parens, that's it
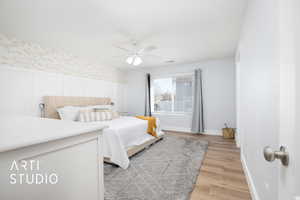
(151, 124)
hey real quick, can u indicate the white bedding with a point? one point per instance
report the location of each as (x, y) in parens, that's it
(123, 133)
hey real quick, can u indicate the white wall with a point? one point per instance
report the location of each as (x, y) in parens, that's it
(218, 94)
(22, 54)
(29, 71)
(22, 90)
(258, 96)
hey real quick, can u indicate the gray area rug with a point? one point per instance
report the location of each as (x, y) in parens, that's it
(167, 170)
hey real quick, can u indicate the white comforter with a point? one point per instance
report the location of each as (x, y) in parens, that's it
(123, 133)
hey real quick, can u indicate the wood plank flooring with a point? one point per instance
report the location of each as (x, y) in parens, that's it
(221, 176)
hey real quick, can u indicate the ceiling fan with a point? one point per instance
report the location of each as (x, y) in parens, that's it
(136, 55)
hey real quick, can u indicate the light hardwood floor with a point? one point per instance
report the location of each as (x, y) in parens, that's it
(221, 176)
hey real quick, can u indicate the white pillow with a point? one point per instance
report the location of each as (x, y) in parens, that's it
(69, 112)
(102, 107)
(72, 112)
(91, 116)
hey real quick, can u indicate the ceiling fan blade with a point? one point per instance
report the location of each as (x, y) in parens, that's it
(147, 49)
(150, 48)
(122, 48)
(167, 60)
(153, 55)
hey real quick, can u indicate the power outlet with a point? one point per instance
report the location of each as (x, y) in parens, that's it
(267, 186)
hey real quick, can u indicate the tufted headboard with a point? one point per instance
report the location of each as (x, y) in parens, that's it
(53, 102)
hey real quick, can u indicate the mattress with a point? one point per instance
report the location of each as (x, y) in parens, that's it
(122, 134)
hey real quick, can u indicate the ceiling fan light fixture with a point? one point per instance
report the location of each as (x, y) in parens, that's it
(137, 61)
(130, 60)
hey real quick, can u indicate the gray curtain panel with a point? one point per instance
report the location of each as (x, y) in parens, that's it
(148, 96)
(197, 120)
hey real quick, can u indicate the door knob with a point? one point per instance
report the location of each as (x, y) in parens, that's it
(282, 155)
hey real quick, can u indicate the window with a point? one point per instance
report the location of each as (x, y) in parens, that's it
(172, 94)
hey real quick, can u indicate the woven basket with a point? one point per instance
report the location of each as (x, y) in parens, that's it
(228, 133)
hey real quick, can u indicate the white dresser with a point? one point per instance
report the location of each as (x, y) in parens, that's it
(45, 159)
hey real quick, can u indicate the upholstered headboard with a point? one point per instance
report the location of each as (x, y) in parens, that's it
(54, 102)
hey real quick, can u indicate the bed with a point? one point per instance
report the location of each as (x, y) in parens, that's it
(124, 137)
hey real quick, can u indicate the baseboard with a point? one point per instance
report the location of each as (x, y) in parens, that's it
(237, 139)
(250, 182)
(177, 129)
(188, 130)
(212, 132)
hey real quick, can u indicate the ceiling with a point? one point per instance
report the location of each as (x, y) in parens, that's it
(185, 31)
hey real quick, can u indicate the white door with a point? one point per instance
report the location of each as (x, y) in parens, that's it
(289, 51)
(297, 117)
(289, 93)
(268, 97)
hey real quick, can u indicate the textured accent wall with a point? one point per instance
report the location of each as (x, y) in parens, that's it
(17, 53)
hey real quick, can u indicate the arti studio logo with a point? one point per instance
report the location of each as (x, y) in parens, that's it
(29, 172)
